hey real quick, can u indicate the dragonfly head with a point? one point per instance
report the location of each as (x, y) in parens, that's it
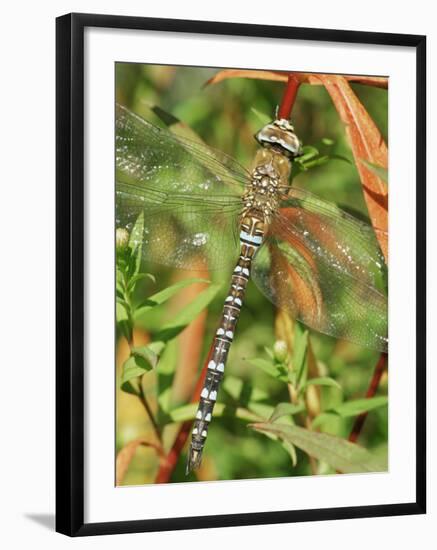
(279, 135)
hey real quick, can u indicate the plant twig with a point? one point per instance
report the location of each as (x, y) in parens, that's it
(373, 386)
(289, 96)
(150, 414)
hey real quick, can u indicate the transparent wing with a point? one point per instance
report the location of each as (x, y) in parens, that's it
(190, 194)
(325, 268)
(148, 153)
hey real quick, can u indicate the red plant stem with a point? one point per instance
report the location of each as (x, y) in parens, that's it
(289, 96)
(373, 386)
(169, 463)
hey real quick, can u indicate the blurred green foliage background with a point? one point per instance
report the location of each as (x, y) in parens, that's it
(223, 116)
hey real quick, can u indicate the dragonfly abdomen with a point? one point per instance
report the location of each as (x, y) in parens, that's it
(252, 231)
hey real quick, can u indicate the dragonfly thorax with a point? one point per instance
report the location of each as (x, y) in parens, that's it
(268, 179)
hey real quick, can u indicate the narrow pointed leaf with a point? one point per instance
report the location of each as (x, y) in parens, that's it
(121, 311)
(188, 412)
(139, 277)
(190, 312)
(165, 376)
(285, 409)
(262, 117)
(300, 354)
(242, 392)
(291, 450)
(341, 454)
(136, 244)
(160, 297)
(322, 381)
(143, 359)
(149, 353)
(269, 368)
(359, 406)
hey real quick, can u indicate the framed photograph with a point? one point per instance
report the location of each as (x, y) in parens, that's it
(240, 299)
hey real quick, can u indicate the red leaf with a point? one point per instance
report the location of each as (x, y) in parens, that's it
(282, 76)
(127, 453)
(367, 144)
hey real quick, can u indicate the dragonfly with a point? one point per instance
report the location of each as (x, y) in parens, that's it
(306, 255)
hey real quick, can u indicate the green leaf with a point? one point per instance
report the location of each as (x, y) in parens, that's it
(327, 141)
(261, 410)
(242, 392)
(269, 368)
(185, 412)
(136, 244)
(188, 314)
(358, 406)
(300, 354)
(188, 412)
(143, 359)
(341, 454)
(316, 162)
(125, 327)
(165, 376)
(160, 297)
(119, 285)
(149, 353)
(322, 381)
(284, 409)
(291, 450)
(309, 152)
(122, 259)
(262, 117)
(121, 311)
(377, 170)
(139, 277)
(321, 418)
(350, 408)
(132, 369)
(136, 235)
(340, 157)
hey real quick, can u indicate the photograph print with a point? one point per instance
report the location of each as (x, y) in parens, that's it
(251, 277)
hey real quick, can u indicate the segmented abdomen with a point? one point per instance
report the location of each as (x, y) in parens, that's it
(251, 237)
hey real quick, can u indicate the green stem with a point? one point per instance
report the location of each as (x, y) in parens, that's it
(142, 397)
(150, 414)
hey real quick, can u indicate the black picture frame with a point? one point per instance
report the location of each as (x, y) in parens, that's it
(70, 241)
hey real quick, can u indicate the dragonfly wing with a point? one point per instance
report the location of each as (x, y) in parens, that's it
(325, 268)
(201, 233)
(356, 241)
(190, 194)
(151, 155)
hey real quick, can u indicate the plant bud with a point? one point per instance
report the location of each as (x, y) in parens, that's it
(280, 351)
(121, 238)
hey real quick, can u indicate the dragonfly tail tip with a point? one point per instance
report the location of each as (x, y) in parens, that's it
(193, 460)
